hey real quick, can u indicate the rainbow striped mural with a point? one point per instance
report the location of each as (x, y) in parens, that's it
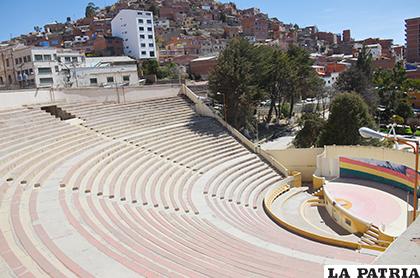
(379, 171)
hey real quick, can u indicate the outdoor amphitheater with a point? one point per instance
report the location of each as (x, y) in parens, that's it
(161, 186)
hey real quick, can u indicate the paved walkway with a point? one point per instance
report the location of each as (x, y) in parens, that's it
(280, 143)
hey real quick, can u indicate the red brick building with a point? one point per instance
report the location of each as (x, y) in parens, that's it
(108, 46)
(346, 36)
(386, 45)
(326, 36)
(255, 26)
(201, 67)
(412, 39)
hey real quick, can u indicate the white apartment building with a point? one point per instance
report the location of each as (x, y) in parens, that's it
(26, 66)
(330, 79)
(163, 23)
(137, 31)
(43, 67)
(105, 72)
(375, 50)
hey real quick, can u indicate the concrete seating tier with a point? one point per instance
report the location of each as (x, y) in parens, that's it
(146, 188)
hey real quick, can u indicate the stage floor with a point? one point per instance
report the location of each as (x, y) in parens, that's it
(373, 205)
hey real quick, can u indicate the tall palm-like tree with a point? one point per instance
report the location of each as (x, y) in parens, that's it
(91, 10)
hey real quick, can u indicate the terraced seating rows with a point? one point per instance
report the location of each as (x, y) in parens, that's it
(146, 188)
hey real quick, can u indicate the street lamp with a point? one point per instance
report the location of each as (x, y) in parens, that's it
(369, 133)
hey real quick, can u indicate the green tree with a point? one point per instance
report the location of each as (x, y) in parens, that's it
(404, 110)
(91, 10)
(301, 75)
(413, 123)
(311, 125)
(359, 79)
(155, 10)
(233, 80)
(391, 86)
(275, 78)
(411, 85)
(150, 67)
(288, 76)
(348, 112)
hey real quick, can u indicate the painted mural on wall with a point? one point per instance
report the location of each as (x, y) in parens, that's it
(377, 170)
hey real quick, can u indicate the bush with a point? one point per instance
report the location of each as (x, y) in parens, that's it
(308, 136)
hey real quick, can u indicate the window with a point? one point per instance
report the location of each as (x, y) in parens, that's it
(56, 68)
(16, 61)
(151, 45)
(1, 80)
(67, 59)
(348, 221)
(28, 58)
(31, 71)
(45, 81)
(93, 81)
(24, 59)
(74, 59)
(55, 56)
(152, 54)
(126, 78)
(143, 53)
(44, 70)
(141, 28)
(47, 57)
(141, 21)
(150, 37)
(142, 45)
(110, 79)
(149, 29)
(149, 21)
(148, 14)
(141, 36)
(38, 57)
(7, 63)
(139, 13)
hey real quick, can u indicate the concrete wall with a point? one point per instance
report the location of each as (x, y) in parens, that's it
(302, 160)
(339, 214)
(324, 162)
(17, 98)
(328, 164)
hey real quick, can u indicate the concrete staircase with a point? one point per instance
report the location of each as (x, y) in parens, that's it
(371, 237)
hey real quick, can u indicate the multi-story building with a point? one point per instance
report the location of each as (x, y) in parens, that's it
(104, 72)
(256, 26)
(163, 23)
(375, 50)
(412, 39)
(44, 67)
(108, 46)
(346, 36)
(330, 38)
(386, 45)
(137, 31)
(26, 66)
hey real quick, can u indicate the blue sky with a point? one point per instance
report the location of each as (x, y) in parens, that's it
(366, 18)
